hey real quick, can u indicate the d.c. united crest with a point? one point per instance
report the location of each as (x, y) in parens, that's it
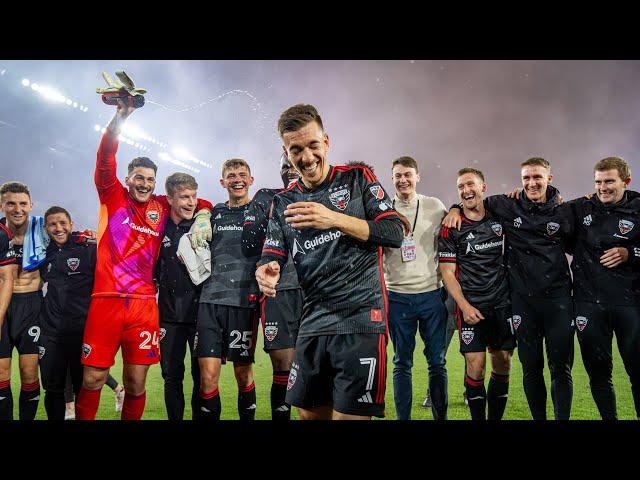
(497, 229)
(73, 263)
(552, 227)
(581, 322)
(467, 336)
(625, 226)
(270, 332)
(340, 199)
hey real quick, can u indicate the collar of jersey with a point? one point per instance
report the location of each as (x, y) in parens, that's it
(320, 187)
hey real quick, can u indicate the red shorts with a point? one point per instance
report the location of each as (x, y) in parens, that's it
(128, 322)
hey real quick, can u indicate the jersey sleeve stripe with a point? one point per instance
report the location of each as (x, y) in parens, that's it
(8, 261)
(385, 214)
(271, 250)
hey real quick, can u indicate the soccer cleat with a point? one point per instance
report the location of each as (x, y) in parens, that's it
(119, 398)
(427, 400)
(466, 400)
(70, 411)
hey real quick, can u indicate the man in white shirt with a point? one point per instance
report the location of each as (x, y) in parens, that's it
(416, 295)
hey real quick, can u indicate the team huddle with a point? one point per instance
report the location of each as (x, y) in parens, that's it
(331, 267)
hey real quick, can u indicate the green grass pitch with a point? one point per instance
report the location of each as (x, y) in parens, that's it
(583, 405)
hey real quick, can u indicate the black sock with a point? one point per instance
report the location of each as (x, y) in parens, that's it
(476, 396)
(55, 405)
(247, 402)
(29, 399)
(280, 410)
(497, 395)
(210, 406)
(6, 401)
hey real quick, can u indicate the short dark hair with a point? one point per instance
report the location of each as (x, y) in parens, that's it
(144, 162)
(235, 163)
(296, 117)
(55, 209)
(14, 187)
(475, 171)
(178, 181)
(359, 163)
(405, 162)
(536, 162)
(614, 163)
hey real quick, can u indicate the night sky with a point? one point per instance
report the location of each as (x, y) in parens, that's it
(491, 115)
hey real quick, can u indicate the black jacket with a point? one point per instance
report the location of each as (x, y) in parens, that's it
(177, 295)
(68, 272)
(599, 227)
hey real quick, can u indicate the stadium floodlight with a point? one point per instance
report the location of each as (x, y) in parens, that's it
(25, 82)
(3, 70)
(68, 102)
(181, 153)
(132, 130)
(96, 128)
(35, 86)
(50, 93)
(103, 130)
(75, 104)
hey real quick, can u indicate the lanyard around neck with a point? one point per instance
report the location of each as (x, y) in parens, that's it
(415, 220)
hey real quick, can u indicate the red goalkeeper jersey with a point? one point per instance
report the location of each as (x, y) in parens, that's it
(129, 232)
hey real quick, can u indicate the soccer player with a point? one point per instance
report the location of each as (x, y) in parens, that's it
(228, 312)
(416, 295)
(606, 281)
(538, 230)
(21, 325)
(280, 316)
(123, 310)
(333, 223)
(472, 269)
(177, 298)
(68, 272)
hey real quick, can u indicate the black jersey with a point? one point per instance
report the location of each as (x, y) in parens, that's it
(536, 235)
(341, 277)
(476, 249)
(233, 280)
(254, 234)
(177, 295)
(14, 250)
(599, 227)
(6, 253)
(68, 272)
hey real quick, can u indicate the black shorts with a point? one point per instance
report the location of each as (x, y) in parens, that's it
(21, 326)
(494, 332)
(226, 332)
(280, 318)
(346, 371)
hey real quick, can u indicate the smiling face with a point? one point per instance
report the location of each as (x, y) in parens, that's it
(16, 207)
(405, 180)
(287, 172)
(307, 149)
(471, 190)
(237, 180)
(59, 227)
(141, 182)
(183, 203)
(535, 179)
(609, 186)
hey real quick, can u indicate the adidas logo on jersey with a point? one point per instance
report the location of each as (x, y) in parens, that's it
(218, 217)
(166, 241)
(366, 398)
(517, 222)
(245, 353)
(587, 220)
(470, 236)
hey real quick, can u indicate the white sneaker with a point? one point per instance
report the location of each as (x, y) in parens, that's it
(70, 411)
(119, 398)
